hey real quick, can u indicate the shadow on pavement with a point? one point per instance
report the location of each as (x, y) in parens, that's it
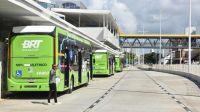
(41, 103)
(29, 95)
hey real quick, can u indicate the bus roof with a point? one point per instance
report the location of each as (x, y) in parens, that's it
(35, 29)
(99, 51)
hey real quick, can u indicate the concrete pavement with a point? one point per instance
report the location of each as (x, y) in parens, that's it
(130, 91)
(181, 88)
(138, 93)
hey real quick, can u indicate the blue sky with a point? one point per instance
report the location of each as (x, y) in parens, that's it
(131, 15)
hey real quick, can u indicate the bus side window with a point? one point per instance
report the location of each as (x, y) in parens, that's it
(75, 59)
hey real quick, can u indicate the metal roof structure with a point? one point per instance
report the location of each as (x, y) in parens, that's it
(28, 12)
(158, 35)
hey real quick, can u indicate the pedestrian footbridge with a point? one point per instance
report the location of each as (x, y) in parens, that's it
(168, 41)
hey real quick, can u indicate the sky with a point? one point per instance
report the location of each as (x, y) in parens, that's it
(134, 15)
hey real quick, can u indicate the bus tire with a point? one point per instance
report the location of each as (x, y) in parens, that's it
(71, 85)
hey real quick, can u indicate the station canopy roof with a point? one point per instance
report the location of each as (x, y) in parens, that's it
(28, 12)
(14, 15)
(88, 18)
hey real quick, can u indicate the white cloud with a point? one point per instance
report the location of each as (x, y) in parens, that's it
(124, 16)
(98, 4)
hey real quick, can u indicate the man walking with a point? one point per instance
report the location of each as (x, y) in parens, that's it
(52, 84)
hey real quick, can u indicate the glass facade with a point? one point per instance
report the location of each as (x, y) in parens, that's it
(46, 5)
(70, 5)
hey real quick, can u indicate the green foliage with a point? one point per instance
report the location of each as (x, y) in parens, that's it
(129, 56)
(151, 58)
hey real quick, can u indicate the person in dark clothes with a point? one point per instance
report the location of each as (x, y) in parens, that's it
(52, 85)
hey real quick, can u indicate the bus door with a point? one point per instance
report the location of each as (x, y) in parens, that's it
(79, 66)
(66, 52)
(91, 66)
(113, 64)
(110, 65)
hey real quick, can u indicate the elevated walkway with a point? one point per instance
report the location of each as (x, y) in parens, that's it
(168, 41)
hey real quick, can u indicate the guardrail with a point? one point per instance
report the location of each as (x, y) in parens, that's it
(179, 69)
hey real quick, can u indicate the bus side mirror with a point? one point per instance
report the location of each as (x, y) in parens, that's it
(93, 60)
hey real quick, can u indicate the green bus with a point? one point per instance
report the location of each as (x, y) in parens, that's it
(103, 63)
(118, 64)
(33, 50)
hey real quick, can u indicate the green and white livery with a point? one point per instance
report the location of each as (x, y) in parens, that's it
(33, 50)
(103, 63)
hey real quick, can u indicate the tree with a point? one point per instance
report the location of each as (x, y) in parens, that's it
(151, 58)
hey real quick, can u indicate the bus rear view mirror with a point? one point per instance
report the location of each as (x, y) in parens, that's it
(93, 60)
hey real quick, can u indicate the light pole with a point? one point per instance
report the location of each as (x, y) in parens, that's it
(160, 38)
(143, 44)
(143, 32)
(189, 38)
(180, 56)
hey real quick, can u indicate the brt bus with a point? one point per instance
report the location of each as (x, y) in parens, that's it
(103, 63)
(33, 50)
(118, 64)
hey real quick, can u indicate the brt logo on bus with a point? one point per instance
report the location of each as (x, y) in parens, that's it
(31, 44)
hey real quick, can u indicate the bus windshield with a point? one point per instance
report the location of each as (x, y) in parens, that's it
(100, 60)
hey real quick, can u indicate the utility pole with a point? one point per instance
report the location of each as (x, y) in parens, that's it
(189, 38)
(160, 37)
(171, 53)
(143, 32)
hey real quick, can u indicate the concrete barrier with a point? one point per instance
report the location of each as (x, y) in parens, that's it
(190, 76)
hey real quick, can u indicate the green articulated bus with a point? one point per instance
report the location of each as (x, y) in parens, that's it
(33, 50)
(118, 64)
(103, 63)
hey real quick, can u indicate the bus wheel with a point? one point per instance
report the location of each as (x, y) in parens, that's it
(71, 85)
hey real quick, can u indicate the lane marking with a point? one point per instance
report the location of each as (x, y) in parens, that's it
(173, 97)
(104, 95)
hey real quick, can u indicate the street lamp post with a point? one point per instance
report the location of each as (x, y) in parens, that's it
(160, 38)
(189, 38)
(143, 32)
(143, 44)
(171, 53)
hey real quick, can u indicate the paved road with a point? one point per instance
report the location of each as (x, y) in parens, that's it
(130, 91)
